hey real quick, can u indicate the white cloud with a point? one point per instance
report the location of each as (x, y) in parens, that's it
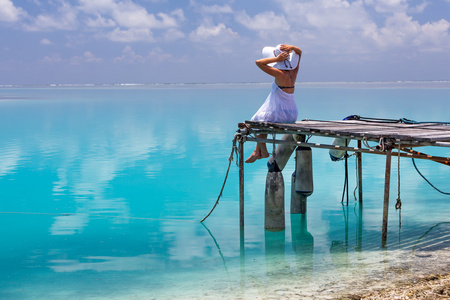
(420, 8)
(87, 57)
(340, 26)
(100, 21)
(131, 35)
(401, 30)
(45, 42)
(434, 37)
(263, 21)
(8, 12)
(336, 15)
(156, 55)
(130, 15)
(64, 19)
(173, 34)
(54, 58)
(131, 22)
(216, 9)
(390, 6)
(128, 55)
(211, 9)
(140, 18)
(206, 32)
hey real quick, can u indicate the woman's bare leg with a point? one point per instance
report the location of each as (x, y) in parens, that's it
(260, 150)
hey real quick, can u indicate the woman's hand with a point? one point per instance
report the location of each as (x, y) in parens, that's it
(289, 48)
(282, 56)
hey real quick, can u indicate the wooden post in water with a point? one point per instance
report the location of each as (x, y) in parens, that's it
(274, 218)
(387, 184)
(359, 156)
(241, 181)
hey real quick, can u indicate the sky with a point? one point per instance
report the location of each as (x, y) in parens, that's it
(205, 41)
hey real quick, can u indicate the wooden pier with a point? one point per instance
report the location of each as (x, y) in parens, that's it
(393, 137)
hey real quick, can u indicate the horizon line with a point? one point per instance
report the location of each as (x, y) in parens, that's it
(208, 83)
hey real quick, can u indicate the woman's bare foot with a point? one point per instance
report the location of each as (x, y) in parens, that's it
(264, 154)
(253, 158)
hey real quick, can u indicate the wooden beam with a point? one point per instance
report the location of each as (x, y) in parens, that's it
(241, 181)
(360, 189)
(443, 160)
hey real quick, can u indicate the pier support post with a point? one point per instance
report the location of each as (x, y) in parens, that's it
(302, 181)
(274, 219)
(241, 181)
(298, 201)
(360, 189)
(387, 184)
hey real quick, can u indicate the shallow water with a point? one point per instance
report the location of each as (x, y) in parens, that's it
(102, 190)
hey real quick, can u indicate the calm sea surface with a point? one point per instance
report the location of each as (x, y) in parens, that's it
(102, 190)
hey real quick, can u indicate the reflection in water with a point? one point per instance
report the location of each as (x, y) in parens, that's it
(10, 156)
(303, 245)
(105, 263)
(274, 242)
(114, 182)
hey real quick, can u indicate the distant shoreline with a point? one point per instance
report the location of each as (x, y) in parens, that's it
(437, 83)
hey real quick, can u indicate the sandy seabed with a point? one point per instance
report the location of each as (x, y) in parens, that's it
(436, 286)
(400, 275)
(427, 277)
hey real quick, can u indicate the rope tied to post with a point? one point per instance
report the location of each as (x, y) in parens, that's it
(234, 149)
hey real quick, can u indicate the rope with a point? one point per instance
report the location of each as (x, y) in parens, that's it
(414, 163)
(425, 234)
(366, 143)
(230, 159)
(218, 248)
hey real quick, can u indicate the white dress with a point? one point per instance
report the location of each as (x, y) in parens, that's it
(279, 107)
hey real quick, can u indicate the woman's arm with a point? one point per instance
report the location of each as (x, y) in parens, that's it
(263, 64)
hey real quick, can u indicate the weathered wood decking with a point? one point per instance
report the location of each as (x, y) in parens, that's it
(400, 135)
(417, 134)
(388, 134)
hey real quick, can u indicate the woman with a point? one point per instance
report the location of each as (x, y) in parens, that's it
(282, 63)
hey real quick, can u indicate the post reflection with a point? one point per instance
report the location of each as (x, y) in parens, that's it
(303, 245)
(343, 241)
(274, 245)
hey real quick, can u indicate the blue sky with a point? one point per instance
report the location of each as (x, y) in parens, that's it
(168, 41)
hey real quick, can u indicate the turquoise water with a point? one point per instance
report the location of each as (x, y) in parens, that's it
(102, 190)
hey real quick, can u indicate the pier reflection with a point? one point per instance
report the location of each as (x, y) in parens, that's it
(276, 247)
(302, 245)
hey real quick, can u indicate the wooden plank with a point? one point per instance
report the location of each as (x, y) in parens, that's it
(402, 132)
